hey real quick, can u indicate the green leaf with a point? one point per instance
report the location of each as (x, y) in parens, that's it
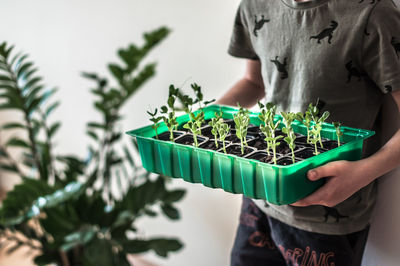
(117, 71)
(30, 208)
(170, 211)
(13, 126)
(92, 134)
(80, 237)
(53, 129)
(17, 142)
(8, 167)
(173, 196)
(128, 156)
(25, 67)
(96, 125)
(163, 246)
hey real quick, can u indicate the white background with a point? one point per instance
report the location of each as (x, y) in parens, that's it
(67, 37)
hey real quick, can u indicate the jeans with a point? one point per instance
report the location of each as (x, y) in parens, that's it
(262, 240)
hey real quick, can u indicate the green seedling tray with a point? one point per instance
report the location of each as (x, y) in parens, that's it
(274, 183)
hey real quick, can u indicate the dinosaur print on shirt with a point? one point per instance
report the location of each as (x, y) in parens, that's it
(281, 67)
(259, 24)
(326, 33)
(352, 71)
(396, 46)
(388, 88)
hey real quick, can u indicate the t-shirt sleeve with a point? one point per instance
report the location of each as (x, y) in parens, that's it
(381, 47)
(240, 44)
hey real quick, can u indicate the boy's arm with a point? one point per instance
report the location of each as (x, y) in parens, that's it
(344, 178)
(248, 90)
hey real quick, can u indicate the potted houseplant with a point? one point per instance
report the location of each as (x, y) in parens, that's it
(66, 206)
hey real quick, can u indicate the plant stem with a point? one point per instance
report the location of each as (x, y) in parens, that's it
(171, 134)
(338, 141)
(156, 133)
(223, 146)
(195, 140)
(274, 151)
(28, 122)
(241, 144)
(316, 149)
(216, 142)
(319, 138)
(292, 155)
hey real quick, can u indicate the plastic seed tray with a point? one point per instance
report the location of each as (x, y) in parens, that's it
(275, 183)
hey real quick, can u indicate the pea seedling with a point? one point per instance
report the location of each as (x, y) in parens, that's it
(274, 139)
(170, 118)
(339, 133)
(223, 130)
(215, 123)
(194, 125)
(267, 115)
(242, 121)
(315, 133)
(155, 120)
(290, 138)
(318, 123)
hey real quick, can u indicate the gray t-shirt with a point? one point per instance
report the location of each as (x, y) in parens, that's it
(346, 53)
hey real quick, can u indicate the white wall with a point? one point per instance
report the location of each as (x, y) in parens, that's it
(66, 37)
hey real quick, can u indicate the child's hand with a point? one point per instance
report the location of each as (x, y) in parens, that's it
(344, 178)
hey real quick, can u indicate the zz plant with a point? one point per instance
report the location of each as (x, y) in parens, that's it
(71, 210)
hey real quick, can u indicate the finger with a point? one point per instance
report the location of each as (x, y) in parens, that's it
(326, 170)
(314, 199)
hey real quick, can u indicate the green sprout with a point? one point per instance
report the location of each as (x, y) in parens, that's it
(339, 133)
(319, 123)
(155, 120)
(215, 123)
(194, 125)
(315, 133)
(267, 115)
(273, 138)
(305, 119)
(242, 120)
(170, 118)
(223, 130)
(196, 119)
(290, 138)
(288, 118)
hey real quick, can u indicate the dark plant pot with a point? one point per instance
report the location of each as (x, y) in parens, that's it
(188, 139)
(262, 156)
(286, 160)
(284, 148)
(236, 149)
(210, 145)
(331, 144)
(258, 143)
(206, 132)
(165, 135)
(307, 152)
(233, 138)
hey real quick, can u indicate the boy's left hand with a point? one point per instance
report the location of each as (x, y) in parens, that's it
(343, 179)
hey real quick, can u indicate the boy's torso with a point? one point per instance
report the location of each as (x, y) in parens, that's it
(314, 50)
